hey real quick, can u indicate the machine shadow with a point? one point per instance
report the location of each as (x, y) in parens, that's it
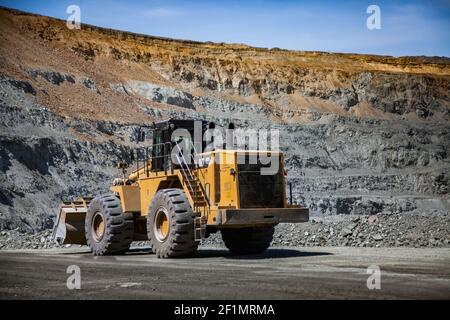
(275, 253)
(84, 250)
(271, 253)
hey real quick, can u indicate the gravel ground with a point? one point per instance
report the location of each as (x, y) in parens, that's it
(382, 230)
(279, 273)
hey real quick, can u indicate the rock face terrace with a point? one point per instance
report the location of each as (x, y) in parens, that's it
(361, 134)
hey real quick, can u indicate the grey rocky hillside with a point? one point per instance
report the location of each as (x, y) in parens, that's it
(337, 165)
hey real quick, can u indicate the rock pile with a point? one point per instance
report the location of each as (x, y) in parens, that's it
(13, 239)
(382, 230)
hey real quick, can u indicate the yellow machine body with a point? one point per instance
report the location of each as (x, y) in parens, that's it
(220, 180)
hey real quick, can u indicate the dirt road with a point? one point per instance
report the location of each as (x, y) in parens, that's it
(281, 273)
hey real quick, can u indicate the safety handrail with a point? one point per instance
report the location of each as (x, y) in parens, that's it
(181, 159)
(197, 166)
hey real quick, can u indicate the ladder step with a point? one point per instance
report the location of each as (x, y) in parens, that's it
(195, 189)
(197, 194)
(200, 228)
(193, 185)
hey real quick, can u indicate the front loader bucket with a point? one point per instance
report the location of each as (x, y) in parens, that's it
(69, 224)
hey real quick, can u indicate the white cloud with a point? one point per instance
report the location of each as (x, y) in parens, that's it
(162, 12)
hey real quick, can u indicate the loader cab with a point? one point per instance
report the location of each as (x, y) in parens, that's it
(188, 133)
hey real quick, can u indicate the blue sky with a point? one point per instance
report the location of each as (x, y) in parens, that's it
(407, 27)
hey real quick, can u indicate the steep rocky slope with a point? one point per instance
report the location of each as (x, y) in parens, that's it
(362, 134)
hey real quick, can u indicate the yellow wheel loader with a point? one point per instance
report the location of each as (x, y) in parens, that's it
(176, 197)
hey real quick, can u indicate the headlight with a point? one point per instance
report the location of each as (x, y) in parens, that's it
(204, 162)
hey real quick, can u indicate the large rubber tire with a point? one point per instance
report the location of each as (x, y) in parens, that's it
(179, 240)
(118, 226)
(247, 240)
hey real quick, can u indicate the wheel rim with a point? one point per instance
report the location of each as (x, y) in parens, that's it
(161, 224)
(98, 226)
